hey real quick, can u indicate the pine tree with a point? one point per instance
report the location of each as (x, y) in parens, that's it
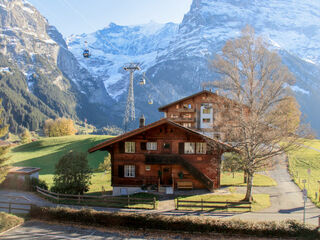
(3, 151)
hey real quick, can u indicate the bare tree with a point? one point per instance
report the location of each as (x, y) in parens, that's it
(259, 113)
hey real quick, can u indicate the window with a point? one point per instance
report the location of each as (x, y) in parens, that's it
(173, 116)
(201, 148)
(130, 147)
(148, 167)
(186, 116)
(129, 171)
(152, 146)
(188, 125)
(187, 106)
(189, 148)
(177, 106)
(166, 146)
(206, 120)
(206, 111)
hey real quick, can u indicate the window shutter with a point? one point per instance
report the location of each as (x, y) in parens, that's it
(121, 147)
(181, 148)
(121, 171)
(143, 146)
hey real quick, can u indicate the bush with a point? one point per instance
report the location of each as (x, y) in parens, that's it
(73, 174)
(59, 127)
(176, 223)
(35, 182)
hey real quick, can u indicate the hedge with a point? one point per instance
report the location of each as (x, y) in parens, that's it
(192, 224)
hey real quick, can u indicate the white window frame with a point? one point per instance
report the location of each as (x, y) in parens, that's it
(130, 147)
(129, 171)
(189, 148)
(201, 148)
(152, 146)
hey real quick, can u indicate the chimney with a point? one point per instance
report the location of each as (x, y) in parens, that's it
(142, 121)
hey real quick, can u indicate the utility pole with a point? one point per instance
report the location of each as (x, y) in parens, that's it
(130, 109)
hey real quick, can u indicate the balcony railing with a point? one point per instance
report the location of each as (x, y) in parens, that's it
(186, 110)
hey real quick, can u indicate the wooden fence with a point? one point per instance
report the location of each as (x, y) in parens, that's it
(103, 200)
(11, 206)
(212, 205)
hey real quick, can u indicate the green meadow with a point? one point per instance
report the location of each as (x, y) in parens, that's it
(45, 153)
(304, 164)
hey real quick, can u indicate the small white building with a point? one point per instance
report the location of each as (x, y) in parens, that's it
(22, 172)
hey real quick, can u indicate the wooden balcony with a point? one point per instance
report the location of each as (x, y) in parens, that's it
(182, 120)
(186, 110)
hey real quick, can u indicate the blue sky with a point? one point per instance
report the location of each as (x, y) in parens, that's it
(84, 16)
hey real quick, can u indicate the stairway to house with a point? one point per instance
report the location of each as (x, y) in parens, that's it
(196, 173)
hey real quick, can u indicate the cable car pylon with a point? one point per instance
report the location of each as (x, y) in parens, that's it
(130, 109)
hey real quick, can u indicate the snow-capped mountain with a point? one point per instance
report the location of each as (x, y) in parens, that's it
(175, 57)
(44, 79)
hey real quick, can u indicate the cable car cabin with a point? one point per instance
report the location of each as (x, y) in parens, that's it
(142, 82)
(86, 53)
(150, 101)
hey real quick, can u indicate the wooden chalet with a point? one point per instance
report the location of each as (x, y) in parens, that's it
(163, 154)
(204, 111)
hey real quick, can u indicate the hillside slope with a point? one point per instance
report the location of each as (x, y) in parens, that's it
(36, 66)
(46, 153)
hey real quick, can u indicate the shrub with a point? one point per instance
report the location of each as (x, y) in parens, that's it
(176, 223)
(59, 127)
(72, 174)
(35, 182)
(26, 136)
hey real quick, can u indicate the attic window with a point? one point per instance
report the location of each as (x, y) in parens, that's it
(177, 106)
(166, 146)
(187, 106)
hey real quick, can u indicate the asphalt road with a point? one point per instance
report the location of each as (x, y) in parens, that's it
(35, 230)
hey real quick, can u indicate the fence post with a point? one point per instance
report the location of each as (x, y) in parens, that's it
(58, 196)
(128, 201)
(78, 197)
(9, 207)
(154, 202)
(201, 204)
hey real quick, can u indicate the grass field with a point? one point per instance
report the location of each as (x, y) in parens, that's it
(46, 152)
(259, 180)
(304, 164)
(8, 221)
(260, 201)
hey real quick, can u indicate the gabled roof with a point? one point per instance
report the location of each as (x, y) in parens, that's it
(186, 98)
(150, 126)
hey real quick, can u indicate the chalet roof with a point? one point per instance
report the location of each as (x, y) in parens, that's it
(186, 98)
(153, 125)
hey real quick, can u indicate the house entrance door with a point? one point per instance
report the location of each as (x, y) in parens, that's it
(166, 175)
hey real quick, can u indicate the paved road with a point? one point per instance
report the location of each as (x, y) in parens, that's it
(35, 230)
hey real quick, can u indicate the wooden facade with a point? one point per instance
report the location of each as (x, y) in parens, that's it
(164, 153)
(204, 111)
